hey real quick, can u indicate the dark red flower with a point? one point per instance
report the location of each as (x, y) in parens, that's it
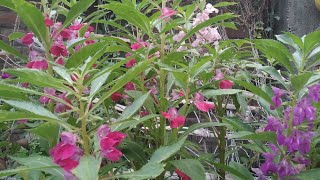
(225, 84)
(182, 175)
(27, 39)
(59, 50)
(116, 97)
(48, 22)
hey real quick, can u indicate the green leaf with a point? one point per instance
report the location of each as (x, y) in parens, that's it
(148, 171)
(15, 35)
(41, 161)
(312, 174)
(254, 89)
(181, 79)
(199, 126)
(37, 77)
(224, 4)
(237, 124)
(243, 170)
(33, 108)
(22, 169)
(300, 80)
(32, 18)
(63, 73)
(166, 152)
(134, 152)
(274, 73)
(231, 170)
(276, 50)
(5, 47)
(13, 95)
(76, 10)
(48, 131)
(191, 167)
(130, 14)
(263, 136)
(88, 168)
(134, 107)
(16, 115)
(311, 41)
(120, 82)
(84, 53)
(291, 39)
(7, 4)
(219, 92)
(119, 126)
(98, 82)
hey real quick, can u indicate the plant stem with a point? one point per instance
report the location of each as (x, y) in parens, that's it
(222, 139)
(84, 134)
(163, 75)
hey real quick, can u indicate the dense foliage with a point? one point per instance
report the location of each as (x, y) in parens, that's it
(116, 106)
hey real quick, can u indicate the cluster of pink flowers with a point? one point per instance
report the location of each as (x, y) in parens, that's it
(108, 142)
(58, 50)
(292, 145)
(205, 35)
(67, 154)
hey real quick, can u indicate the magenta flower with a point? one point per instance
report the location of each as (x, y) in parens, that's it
(173, 116)
(201, 104)
(5, 76)
(27, 39)
(59, 50)
(48, 22)
(273, 125)
(276, 99)
(225, 84)
(167, 13)
(108, 141)
(130, 63)
(60, 107)
(22, 121)
(129, 86)
(49, 91)
(314, 93)
(286, 169)
(219, 75)
(38, 64)
(178, 37)
(66, 154)
(299, 141)
(115, 97)
(182, 175)
(304, 110)
(60, 61)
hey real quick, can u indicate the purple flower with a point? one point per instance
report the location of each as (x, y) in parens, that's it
(314, 92)
(5, 76)
(299, 141)
(273, 125)
(304, 110)
(276, 99)
(269, 165)
(286, 169)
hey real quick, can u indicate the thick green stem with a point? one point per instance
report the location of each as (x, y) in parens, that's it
(84, 134)
(222, 139)
(163, 75)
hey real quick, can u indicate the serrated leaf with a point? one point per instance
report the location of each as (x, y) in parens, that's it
(134, 107)
(16, 115)
(199, 126)
(37, 77)
(300, 80)
(98, 82)
(191, 167)
(48, 131)
(31, 107)
(148, 171)
(41, 161)
(76, 11)
(88, 168)
(21, 169)
(254, 89)
(5, 47)
(166, 152)
(131, 123)
(243, 170)
(312, 174)
(219, 92)
(274, 73)
(84, 53)
(32, 18)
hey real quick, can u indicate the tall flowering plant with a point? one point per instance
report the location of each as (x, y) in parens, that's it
(85, 88)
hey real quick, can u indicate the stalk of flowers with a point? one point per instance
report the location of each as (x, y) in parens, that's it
(67, 154)
(290, 155)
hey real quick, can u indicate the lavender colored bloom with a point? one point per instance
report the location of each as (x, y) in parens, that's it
(281, 139)
(273, 125)
(68, 138)
(304, 109)
(299, 141)
(5, 76)
(286, 169)
(314, 92)
(276, 99)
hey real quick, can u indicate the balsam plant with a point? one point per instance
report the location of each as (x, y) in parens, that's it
(114, 106)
